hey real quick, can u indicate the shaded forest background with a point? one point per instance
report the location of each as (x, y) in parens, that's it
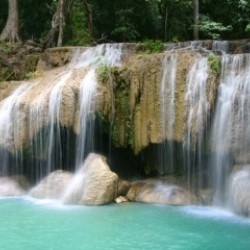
(97, 21)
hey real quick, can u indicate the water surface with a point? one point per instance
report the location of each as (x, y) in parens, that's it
(31, 225)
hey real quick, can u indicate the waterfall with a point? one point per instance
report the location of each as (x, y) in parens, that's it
(106, 55)
(11, 134)
(45, 116)
(222, 46)
(198, 108)
(230, 132)
(55, 105)
(39, 114)
(86, 115)
(167, 98)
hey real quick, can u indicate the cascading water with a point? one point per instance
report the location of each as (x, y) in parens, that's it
(45, 115)
(230, 133)
(47, 110)
(198, 108)
(10, 109)
(221, 46)
(86, 115)
(106, 55)
(167, 97)
(35, 111)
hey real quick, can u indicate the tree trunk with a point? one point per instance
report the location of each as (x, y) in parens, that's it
(196, 19)
(55, 35)
(166, 24)
(10, 32)
(88, 12)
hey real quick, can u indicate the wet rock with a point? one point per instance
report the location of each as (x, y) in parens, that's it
(159, 192)
(13, 186)
(239, 196)
(94, 184)
(121, 199)
(53, 186)
(123, 187)
(205, 196)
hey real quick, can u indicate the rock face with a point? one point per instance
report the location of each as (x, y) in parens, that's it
(239, 196)
(13, 186)
(159, 192)
(138, 88)
(94, 184)
(123, 187)
(53, 186)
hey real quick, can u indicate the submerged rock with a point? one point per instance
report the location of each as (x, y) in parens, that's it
(121, 199)
(53, 186)
(13, 186)
(159, 192)
(239, 196)
(94, 184)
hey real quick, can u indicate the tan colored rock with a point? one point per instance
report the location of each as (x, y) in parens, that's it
(93, 184)
(53, 186)
(123, 187)
(13, 186)
(121, 199)
(159, 192)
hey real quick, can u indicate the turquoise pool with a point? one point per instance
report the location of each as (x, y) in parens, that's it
(32, 225)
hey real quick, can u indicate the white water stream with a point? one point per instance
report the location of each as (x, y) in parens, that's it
(231, 130)
(167, 98)
(198, 109)
(42, 118)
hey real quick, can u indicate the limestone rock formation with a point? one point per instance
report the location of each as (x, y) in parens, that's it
(93, 184)
(159, 192)
(13, 186)
(135, 100)
(53, 186)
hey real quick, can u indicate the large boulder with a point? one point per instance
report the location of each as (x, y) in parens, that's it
(13, 186)
(93, 184)
(159, 192)
(239, 195)
(53, 186)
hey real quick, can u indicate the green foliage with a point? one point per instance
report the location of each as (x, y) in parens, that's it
(76, 32)
(35, 18)
(133, 21)
(153, 46)
(103, 71)
(234, 13)
(31, 74)
(28, 75)
(247, 29)
(125, 29)
(8, 48)
(214, 63)
(211, 28)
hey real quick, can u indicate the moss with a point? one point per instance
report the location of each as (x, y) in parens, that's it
(6, 74)
(214, 63)
(103, 71)
(153, 46)
(122, 127)
(9, 48)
